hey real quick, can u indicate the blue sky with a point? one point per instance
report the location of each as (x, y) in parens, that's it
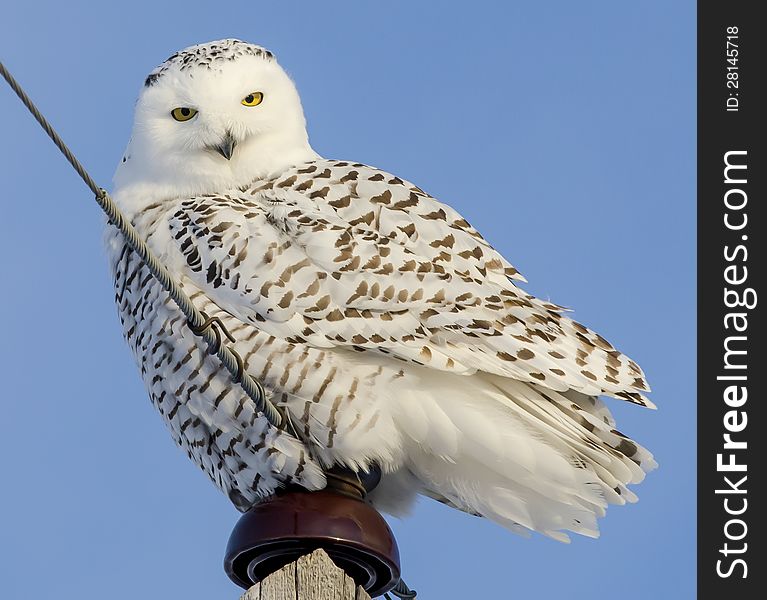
(564, 131)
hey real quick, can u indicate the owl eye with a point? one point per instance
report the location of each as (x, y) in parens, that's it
(253, 99)
(183, 113)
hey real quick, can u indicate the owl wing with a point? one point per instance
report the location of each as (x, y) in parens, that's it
(337, 254)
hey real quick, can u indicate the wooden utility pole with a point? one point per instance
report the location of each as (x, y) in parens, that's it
(312, 577)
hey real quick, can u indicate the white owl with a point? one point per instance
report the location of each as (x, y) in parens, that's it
(384, 324)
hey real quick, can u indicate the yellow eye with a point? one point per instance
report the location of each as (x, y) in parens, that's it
(253, 99)
(183, 113)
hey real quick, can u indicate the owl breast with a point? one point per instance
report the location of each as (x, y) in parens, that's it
(209, 417)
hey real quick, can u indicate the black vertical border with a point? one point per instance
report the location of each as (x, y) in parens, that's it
(720, 131)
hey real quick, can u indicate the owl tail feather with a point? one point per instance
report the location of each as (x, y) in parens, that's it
(528, 458)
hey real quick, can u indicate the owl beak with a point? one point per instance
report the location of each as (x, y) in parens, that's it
(226, 147)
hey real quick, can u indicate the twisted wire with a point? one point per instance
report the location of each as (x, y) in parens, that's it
(401, 591)
(209, 330)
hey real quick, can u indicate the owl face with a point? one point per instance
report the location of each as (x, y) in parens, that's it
(212, 115)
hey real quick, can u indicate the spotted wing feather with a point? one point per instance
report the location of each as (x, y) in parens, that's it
(338, 254)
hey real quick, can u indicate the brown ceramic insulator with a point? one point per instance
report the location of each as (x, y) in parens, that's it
(278, 531)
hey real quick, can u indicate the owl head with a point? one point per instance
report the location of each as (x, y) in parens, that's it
(214, 116)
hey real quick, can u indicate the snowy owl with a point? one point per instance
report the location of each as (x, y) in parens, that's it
(392, 333)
